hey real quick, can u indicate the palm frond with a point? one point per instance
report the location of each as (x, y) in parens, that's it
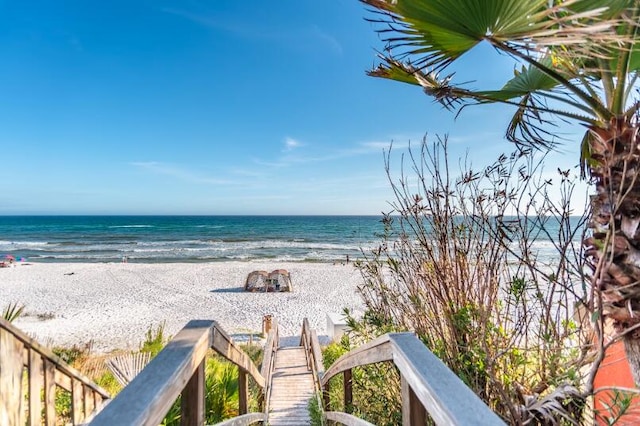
(569, 47)
(562, 406)
(13, 311)
(437, 32)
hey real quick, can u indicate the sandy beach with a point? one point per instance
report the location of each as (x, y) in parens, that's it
(114, 304)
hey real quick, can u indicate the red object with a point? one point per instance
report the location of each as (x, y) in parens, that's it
(614, 372)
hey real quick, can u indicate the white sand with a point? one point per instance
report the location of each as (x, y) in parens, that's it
(114, 304)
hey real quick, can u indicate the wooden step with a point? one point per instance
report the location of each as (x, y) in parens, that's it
(292, 387)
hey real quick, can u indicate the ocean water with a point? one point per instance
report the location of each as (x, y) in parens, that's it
(187, 238)
(197, 238)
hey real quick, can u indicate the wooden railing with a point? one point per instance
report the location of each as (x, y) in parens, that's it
(427, 385)
(46, 373)
(309, 339)
(269, 361)
(179, 370)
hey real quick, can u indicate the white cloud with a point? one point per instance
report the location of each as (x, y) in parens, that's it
(291, 144)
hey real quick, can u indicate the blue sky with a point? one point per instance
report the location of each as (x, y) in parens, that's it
(214, 107)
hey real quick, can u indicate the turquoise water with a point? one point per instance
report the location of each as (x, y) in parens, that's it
(187, 238)
(200, 238)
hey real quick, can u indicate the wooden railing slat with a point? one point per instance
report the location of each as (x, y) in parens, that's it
(88, 400)
(192, 404)
(11, 368)
(268, 363)
(35, 388)
(243, 392)
(77, 404)
(316, 350)
(62, 379)
(348, 390)
(413, 412)
(49, 393)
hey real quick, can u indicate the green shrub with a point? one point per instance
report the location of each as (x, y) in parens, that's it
(154, 340)
(221, 393)
(108, 382)
(376, 388)
(455, 268)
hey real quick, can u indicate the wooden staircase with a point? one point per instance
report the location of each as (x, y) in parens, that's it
(292, 387)
(290, 377)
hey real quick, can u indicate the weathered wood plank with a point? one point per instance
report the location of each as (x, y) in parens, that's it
(243, 392)
(268, 362)
(413, 412)
(88, 400)
(35, 388)
(292, 386)
(447, 399)
(316, 351)
(192, 403)
(46, 353)
(62, 380)
(377, 350)
(244, 420)
(11, 369)
(348, 390)
(150, 395)
(223, 344)
(346, 419)
(77, 404)
(49, 393)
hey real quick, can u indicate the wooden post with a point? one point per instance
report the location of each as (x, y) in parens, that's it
(11, 409)
(325, 397)
(77, 404)
(243, 392)
(35, 388)
(192, 405)
(49, 393)
(348, 391)
(413, 413)
(89, 401)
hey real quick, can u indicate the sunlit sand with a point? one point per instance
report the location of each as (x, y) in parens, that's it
(114, 304)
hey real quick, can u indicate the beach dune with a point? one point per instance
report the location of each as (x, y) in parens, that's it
(112, 305)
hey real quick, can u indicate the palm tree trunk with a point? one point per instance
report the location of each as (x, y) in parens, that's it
(613, 250)
(632, 349)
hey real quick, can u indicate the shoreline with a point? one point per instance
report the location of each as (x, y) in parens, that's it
(113, 305)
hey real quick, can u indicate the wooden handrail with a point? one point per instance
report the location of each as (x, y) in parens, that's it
(269, 361)
(245, 419)
(345, 419)
(224, 345)
(309, 340)
(177, 369)
(427, 384)
(45, 371)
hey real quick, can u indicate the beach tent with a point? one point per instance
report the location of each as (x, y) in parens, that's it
(278, 280)
(257, 281)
